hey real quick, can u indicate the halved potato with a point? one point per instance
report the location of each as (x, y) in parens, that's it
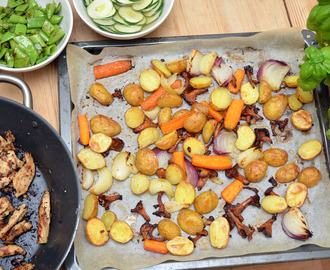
(207, 62)
(160, 67)
(249, 94)
(169, 100)
(90, 207)
(174, 174)
(177, 66)
(164, 115)
(274, 204)
(304, 96)
(149, 80)
(245, 138)
(296, 194)
(167, 141)
(139, 183)
(220, 99)
(291, 81)
(201, 82)
(310, 149)
(192, 146)
(134, 117)
(147, 137)
(121, 232)
(96, 232)
(100, 142)
(180, 246)
(301, 120)
(185, 194)
(90, 159)
(265, 92)
(108, 219)
(294, 103)
(219, 232)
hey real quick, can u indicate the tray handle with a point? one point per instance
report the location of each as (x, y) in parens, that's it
(27, 95)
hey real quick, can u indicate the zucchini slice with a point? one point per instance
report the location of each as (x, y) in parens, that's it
(130, 15)
(107, 22)
(142, 5)
(99, 9)
(128, 29)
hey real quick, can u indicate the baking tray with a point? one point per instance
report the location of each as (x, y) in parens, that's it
(322, 101)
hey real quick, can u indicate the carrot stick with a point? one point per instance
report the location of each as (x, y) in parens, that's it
(174, 124)
(178, 158)
(212, 162)
(213, 113)
(231, 191)
(176, 84)
(151, 101)
(155, 246)
(233, 114)
(239, 76)
(110, 69)
(83, 129)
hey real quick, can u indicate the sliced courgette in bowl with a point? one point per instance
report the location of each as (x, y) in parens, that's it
(142, 5)
(128, 29)
(107, 22)
(130, 15)
(154, 10)
(99, 9)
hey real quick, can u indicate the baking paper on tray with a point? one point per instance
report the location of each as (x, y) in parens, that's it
(285, 45)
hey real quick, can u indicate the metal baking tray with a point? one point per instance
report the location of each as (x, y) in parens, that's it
(322, 101)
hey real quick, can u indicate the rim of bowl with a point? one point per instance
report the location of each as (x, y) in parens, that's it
(77, 4)
(58, 51)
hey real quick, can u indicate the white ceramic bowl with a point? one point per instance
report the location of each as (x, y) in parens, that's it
(66, 24)
(81, 10)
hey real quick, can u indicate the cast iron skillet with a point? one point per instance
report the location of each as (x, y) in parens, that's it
(54, 170)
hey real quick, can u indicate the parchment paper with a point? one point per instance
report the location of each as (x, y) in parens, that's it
(286, 45)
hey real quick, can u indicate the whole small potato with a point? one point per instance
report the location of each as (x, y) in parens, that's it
(98, 91)
(190, 221)
(192, 146)
(209, 129)
(164, 115)
(275, 107)
(134, 117)
(287, 173)
(169, 100)
(177, 66)
(206, 202)
(275, 157)
(301, 120)
(265, 92)
(310, 177)
(168, 229)
(133, 93)
(274, 204)
(200, 107)
(103, 124)
(174, 174)
(195, 122)
(256, 170)
(146, 161)
(179, 113)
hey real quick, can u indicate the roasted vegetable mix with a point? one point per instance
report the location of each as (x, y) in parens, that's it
(28, 33)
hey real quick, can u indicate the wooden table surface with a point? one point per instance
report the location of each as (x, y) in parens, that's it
(188, 17)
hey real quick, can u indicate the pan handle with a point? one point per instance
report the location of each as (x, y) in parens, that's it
(27, 95)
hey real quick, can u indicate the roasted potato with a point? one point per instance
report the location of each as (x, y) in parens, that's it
(200, 82)
(195, 122)
(185, 194)
(139, 183)
(249, 94)
(164, 115)
(100, 142)
(206, 202)
(287, 173)
(148, 136)
(177, 66)
(146, 161)
(179, 113)
(244, 158)
(160, 68)
(192, 146)
(207, 62)
(190, 221)
(103, 124)
(256, 170)
(219, 232)
(310, 149)
(169, 100)
(108, 219)
(180, 246)
(133, 93)
(265, 92)
(294, 103)
(90, 159)
(98, 91)
(174, 174)
(121, 232)
(96, 232)
(149, 80)
(291, 81)
(134, 117)
(296, 194)
(301, 120)
(208, 130)
(90, 207)
(275, 107)
(310, 177)
(304, 96)
(167, 141)
(245, 138)
(274, 204)
(220, 99)
(200, 107)
(275, 157)
(168, 229)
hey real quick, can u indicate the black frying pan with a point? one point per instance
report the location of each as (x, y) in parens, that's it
(55, 170)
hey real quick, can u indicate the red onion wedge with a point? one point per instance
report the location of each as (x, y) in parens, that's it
(224, 142)
(222, 74)
(294, 224)
(194, 62)
(192, 174)
(273, 72)
(162, 156)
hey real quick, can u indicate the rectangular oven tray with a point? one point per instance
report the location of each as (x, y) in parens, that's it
(322, 101)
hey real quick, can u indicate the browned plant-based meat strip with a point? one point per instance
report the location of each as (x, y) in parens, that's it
(24, 176)
(26, 266)
(44, 218)
(6, 143)
(15, 217)
(11, 250)
(17, 230)
(5, 207)
(9, 162)
(6, 180)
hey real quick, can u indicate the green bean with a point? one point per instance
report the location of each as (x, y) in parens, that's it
(20, 29)
(14, 3)
(3, 51)
(58, 8)
(56, 19)
(44, 36)
(13, 44)
(21, 62)
(22, 7)
(35, 22)
(7, 36)
(50, 10)
(25, 44)
(42, 59)
(19, 53)
(56, 36)
(37, 39)
(50, 50)
(9, 59)
(48, 27)
(17, 19)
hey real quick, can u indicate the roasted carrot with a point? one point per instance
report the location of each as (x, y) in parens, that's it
(155, 246)
(151, 101)
(83, 129)
(110, 69)
(178, 158)
(212, 162)
(239, 76)
(233, 114)
(174, 124)
(176, 84)
(231, 191)
(213, 113)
